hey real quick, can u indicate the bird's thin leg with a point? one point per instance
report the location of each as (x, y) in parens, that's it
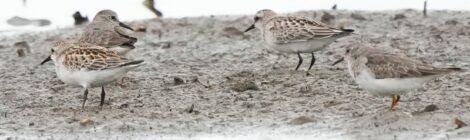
(395, 99)
(103, 94)
(85, 95)
(300, 61)
(398, 99)
(312, 62)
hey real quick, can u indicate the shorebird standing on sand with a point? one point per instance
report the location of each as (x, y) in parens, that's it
(295, 34)
(86, 65)
(388, 74)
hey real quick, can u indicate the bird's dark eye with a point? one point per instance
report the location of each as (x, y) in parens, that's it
(113, 17)
(257, 18)
(347, 50)
(52, 50)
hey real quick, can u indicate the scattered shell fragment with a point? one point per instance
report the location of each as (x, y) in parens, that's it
(459, 123)
(86, 122)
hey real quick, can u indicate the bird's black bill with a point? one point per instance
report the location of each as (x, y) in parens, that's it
(250, 28)
(46, 60)
(338, 61)
(125, 26)
(127, 45)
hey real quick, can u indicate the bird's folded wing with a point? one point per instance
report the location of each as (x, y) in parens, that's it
(393, 66)
(93, 59)
(101, 37)
(297, 29)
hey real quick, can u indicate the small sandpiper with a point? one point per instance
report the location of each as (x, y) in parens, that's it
(106, 30)
(388, 74)
(295, 34)
(86, 65)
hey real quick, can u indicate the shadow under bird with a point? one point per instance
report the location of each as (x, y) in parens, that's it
(106, 30)
(298, 35)
(86, 65)
(388, 74)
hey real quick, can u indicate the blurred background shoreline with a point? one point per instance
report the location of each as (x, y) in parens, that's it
(60, 13)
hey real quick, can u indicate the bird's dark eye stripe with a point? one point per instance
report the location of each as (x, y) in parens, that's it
(257, 18)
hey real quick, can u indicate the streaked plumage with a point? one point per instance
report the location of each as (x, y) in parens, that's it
(282, 30)
(86, 65)
(106, 30)
(295, 34)
(388, 74)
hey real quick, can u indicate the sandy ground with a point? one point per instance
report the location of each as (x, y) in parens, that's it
(204, 79)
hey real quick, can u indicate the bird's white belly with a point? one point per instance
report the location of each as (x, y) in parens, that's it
(389, 86)
(89, 79)
(301, 46)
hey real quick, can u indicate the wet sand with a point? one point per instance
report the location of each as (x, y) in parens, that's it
(204, 79)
